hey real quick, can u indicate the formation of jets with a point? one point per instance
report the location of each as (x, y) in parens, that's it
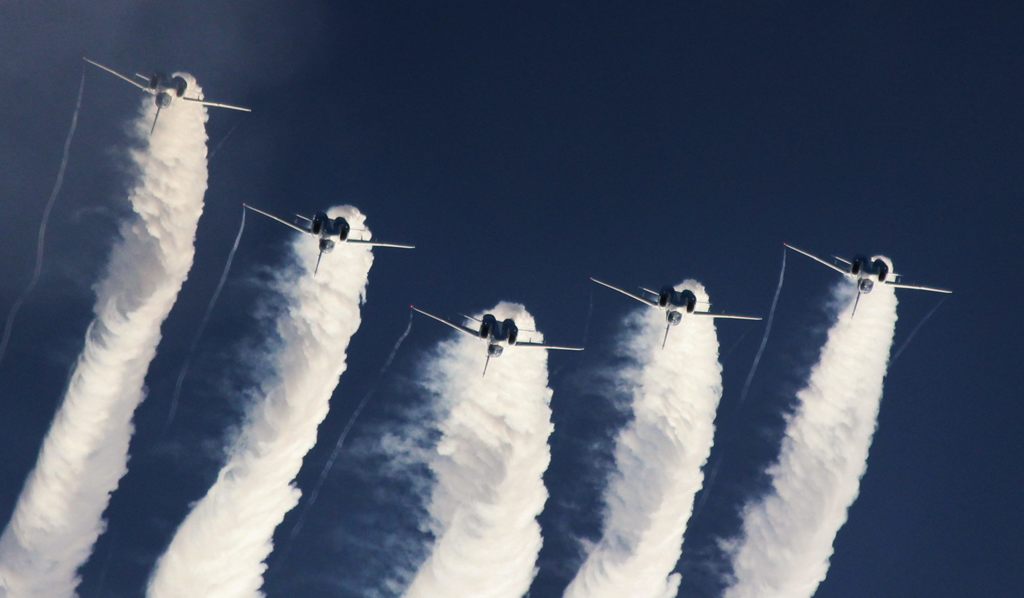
(864, 272)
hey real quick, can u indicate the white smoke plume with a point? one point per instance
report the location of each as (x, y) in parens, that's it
(58, 516)
(787, 536)
(221, 547)
(659, 456)
(488, 466)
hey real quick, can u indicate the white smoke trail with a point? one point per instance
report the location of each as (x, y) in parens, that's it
(658, 457)
(220, 548)
(338, 444)
(58, 516)
(173, 409)
(41, 235)
(767, 332)
(489, 466)
(787, 535)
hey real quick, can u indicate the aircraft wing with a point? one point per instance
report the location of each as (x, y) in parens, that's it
(117, 74)
(817, 259)
(548, 347)
(458, 327)
(219, 105)
(626, 293)
(375, 244)
(724, 316)
(919, 288)
(281, 220)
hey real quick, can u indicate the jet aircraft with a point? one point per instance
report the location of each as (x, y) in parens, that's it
(674, 303)
(327, 230)
(498, 335)
(163, 88)
(866, 273)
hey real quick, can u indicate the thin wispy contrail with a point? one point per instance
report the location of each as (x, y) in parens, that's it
(659, 457)
(767, 332)
(221, 547)
(37, 270)
(488, 467)
(709, 483)
(179, 382)
(329, 465)
(787, 536)
(223, 139)
(913, 332)
(59, 514)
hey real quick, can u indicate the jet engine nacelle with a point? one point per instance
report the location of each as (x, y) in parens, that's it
(881, 269)
(684, 299)
(317, 226)
(325, 226)
(665, 296)
(342, 228)
(512, 330)
(487, 325)
(180, 85)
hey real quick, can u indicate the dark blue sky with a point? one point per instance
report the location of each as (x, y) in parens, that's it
(524, 147)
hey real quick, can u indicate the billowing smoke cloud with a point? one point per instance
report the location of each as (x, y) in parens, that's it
(58, 516)
(488, 465)
(220, 548)
(37, 270)
(659, 456)
(787, 535)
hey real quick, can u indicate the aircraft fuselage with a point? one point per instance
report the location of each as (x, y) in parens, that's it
(675, 303)
(868, 271)
(498, 334)
(165, 88)
(329, 230)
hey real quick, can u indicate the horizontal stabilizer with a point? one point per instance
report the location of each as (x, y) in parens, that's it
(218, 105)
(919, 288)
(817, 259)
(117, 74)
(626, 293)
(725, 316)
(281, 220)
(458, 327)
(548, 347)
(375, 244)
